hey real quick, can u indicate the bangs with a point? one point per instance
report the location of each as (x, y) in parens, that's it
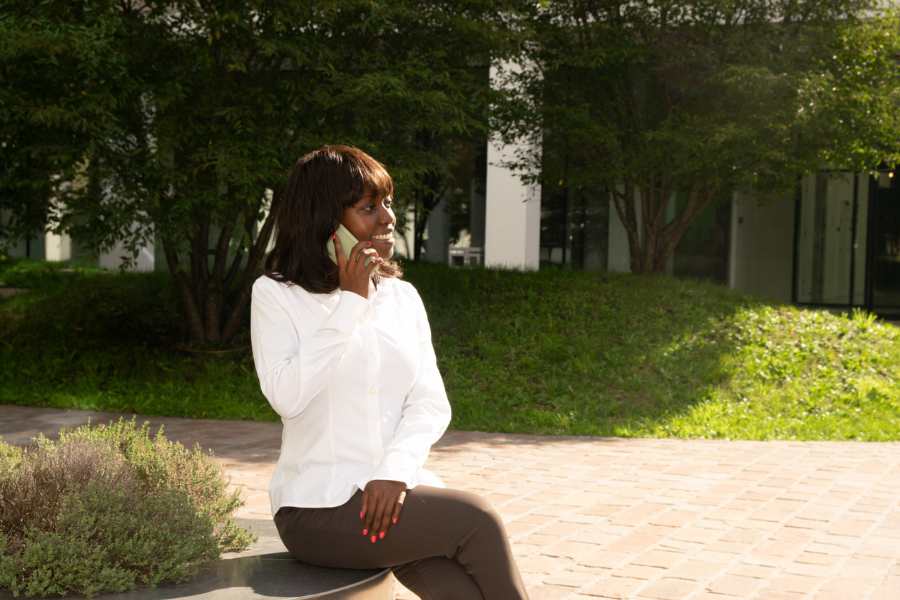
(369, 178)
(376, 181)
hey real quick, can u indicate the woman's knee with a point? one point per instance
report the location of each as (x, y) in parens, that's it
(438, 578)
(480, 509)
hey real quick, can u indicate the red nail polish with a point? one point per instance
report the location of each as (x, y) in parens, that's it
(360, 514)
(365, 532)
(394, 520)
(373, 539)
(381, 535)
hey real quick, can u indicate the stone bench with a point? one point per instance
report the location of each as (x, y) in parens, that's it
(267, 571)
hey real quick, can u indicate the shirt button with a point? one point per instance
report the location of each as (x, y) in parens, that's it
(373, 390)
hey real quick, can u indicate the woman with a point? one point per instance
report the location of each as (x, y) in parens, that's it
(344, 355)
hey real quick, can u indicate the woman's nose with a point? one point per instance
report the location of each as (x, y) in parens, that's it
(387, 216)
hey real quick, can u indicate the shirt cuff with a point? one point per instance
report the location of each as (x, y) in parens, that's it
(397, 466)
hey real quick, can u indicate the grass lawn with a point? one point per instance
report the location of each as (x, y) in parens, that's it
(554, 351)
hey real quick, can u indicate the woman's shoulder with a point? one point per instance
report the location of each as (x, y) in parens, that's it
(286, 292)
(267, 283)
(404, 287)
(274, 281)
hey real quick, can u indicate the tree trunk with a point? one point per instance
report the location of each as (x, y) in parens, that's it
(213, 300)
(426, 199)
(652, 240)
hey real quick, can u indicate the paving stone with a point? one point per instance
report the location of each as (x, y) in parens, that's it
(629, 518)
(570, 578)
(753, 571)
(659, 558)
(694, 570)
(797, 584)
(613, 587)
(733, 585)
(668, 589)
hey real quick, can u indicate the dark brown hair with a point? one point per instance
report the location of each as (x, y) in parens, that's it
(321, 185)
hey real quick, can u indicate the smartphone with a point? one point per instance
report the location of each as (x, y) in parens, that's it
(348, 240)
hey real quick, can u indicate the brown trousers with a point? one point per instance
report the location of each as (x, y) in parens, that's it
(447, 544)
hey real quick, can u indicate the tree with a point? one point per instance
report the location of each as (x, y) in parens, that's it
(51, 59)
(216, 101)
(645, 99)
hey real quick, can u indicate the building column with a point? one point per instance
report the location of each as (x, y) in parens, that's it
(512, 228)
(57, 246)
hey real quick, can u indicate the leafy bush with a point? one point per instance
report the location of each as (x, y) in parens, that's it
(41, 274)
(107, 508)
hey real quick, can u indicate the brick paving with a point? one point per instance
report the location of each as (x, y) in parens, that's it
(632, 518)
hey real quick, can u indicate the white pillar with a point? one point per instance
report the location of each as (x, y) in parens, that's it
(57, 246)
(512, 231)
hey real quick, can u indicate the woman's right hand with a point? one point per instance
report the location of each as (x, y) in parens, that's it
(354, 274)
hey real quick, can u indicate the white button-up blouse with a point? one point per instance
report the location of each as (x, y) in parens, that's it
(356, 383)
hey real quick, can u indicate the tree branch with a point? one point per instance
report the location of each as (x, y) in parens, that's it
(183, 284)
(221, 256)
(257, 251)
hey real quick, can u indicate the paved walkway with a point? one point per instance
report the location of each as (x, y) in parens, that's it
(624, 518)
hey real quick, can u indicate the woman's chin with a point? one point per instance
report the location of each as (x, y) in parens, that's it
(385, 248)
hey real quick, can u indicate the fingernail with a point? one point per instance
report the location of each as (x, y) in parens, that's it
(360, 515)
(366, 531)
(394, 520)
(381, 535)
(373, 539)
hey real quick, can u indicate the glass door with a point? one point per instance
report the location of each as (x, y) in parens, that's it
(884, 247)
(830, 240)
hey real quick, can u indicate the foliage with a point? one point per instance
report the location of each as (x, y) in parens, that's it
(639, 101)
(207, 105)
(10, 457)
(849, 102)
(554, 351)
(25, 273)
(107, 508)
(61, 80)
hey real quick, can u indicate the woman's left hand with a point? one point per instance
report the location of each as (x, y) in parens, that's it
(381, 504)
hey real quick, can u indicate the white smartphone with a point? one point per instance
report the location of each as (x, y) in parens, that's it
(348, 240)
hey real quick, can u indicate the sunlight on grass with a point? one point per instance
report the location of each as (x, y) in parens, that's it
(554, 351)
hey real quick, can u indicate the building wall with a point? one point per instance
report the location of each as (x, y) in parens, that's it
(762, 234)
(619, 253)
(618, 248)
(437, 236)
(115, 257)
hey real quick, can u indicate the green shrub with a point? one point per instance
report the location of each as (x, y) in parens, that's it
(41, 274)
(10, 456)
(107, 508)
